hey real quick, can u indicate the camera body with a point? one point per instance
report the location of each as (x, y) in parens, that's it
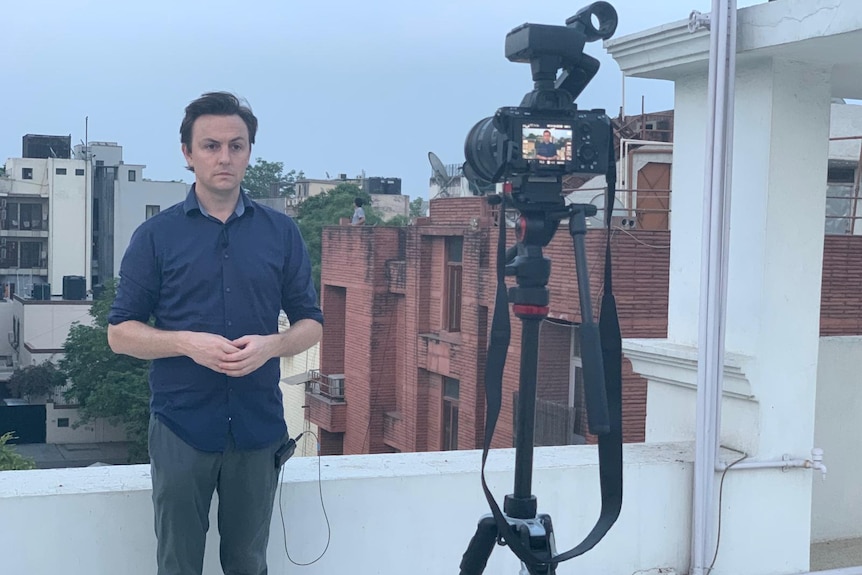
(547, 136)
(546, 142)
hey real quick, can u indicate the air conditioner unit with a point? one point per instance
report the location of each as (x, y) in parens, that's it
(336, 386)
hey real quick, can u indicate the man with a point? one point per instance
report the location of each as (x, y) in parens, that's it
(546, 149)
(358, 213)
(214, 272)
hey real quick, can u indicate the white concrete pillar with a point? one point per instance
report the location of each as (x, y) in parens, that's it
(781, 144)
(780, 157)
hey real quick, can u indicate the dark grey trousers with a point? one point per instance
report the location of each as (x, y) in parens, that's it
(184, 480)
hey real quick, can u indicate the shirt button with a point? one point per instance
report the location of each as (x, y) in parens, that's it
(229, 323)
(226, 256)
(227, 290)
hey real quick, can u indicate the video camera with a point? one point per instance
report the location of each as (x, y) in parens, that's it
(532, 147)
(547, 136)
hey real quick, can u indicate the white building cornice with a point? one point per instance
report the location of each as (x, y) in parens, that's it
(824, 32)
(663, 52)
(661, 361)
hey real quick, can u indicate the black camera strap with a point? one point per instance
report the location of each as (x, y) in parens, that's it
(609, 444)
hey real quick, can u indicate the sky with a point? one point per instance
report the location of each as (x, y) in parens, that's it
(339, 86)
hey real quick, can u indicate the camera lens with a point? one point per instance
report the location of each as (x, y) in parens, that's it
(483, 150)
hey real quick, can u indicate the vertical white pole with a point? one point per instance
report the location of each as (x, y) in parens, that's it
(714, 266)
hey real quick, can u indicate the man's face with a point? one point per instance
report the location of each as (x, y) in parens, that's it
(547, 137)
(219, 153)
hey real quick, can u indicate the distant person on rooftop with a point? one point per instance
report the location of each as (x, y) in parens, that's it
(358, 213)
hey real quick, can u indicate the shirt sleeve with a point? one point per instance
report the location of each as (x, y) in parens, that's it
(140, 280)
(298, 294)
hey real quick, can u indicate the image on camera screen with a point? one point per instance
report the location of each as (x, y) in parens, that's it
(547, 143)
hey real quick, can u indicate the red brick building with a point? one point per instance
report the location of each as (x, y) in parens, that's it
(408, 315)
(407, 319)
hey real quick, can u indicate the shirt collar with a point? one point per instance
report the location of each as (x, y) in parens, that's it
(191, 203)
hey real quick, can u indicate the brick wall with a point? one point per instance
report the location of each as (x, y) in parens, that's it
(841, 299)
(391, 369)
(365, 318)
(372, 319)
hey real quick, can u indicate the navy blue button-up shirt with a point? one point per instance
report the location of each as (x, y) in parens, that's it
(192, 272)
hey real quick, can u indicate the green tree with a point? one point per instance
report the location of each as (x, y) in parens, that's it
(2, 170)
(267, 179)
(36, 380)
(105, 384)
(395, 221)
(417, 208)
(11, 459)
(325, 210)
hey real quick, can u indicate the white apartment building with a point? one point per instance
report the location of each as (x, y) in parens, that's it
(65, 221)
(70, 217)
(122, 200)
(44, 223)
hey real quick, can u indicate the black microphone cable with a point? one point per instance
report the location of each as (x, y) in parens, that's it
(322, 506)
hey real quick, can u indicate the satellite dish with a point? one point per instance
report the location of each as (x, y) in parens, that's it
(441, 175)
(477, 185)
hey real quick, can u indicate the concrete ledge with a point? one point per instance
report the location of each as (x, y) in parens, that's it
(133, 478)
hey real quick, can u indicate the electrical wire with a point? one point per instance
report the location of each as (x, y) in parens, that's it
(720, 495)
(322, 506)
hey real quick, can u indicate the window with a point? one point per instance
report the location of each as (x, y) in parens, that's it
(60, 171)
(10, 216)
(31, 216)
(62, 422)
(152, 210)
(132, 175)
(95, 215)
(451, 393)
(26, 173)
(31, 253)
(454, 255)
(842, 201)
(8, 253)
(100, 162)
(79, 171)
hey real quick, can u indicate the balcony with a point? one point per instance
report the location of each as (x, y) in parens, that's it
(391, 429)
(330, 387)
(325, 398)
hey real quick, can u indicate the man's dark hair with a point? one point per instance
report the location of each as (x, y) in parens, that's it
(358, 202)
(217, 104)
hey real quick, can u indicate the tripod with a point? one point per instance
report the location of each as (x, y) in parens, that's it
(529, 535)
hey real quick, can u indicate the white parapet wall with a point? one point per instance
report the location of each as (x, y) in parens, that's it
(389, 514)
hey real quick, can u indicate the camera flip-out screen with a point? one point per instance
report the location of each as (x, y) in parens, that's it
(549, 144)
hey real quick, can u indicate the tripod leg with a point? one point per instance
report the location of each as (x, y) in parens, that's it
(481, 545)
